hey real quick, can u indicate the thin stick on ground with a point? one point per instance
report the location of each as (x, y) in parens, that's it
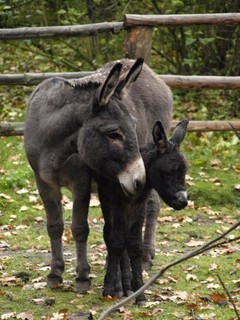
(208, 246)
(229, 296)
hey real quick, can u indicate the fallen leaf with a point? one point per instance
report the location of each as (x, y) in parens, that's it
(165, 219)
(217, 297)
(8, 315)
(39, 207)
(191, 277)
(213, 286)
(23, 208)
(22, 191)
(207, 316)
(38, 219)
(94, 201)
(57, 316)
(5, 196)
(178, 314)
(150, 304)
(214, 266)
(38, 301)
(195, 243)
(32, 199)
(25, 315)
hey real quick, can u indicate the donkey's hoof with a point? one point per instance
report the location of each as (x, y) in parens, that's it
(118, 294)
(147, 264)
(108, 292)
(82, 286)
(140, 303)
(141, 300)
(53, 281)
(128, 293)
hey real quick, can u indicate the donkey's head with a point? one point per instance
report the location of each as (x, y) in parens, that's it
(107, 141)
(168, 169)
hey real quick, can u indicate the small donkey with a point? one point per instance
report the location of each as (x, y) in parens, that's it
(124, 216)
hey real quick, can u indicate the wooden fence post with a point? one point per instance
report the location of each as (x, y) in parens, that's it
(138, 43)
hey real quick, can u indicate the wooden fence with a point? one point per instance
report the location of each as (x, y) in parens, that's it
(137, 43)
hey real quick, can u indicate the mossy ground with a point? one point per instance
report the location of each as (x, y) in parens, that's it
(184, 292)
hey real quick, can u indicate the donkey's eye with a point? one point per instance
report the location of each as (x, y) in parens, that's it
(114, 135)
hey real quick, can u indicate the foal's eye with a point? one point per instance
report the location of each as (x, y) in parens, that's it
(114, 135)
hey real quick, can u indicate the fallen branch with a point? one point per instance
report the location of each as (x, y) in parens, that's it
(229, 296)
(208, 246)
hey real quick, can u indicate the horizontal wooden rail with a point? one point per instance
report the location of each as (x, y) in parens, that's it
(201, 82)
(130, 20)
(17, 128)
(60, 31)
(205, 126)
(11, 128)
(174, 81)
(134, 20)
(29, 79)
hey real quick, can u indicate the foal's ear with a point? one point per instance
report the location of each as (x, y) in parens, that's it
(129, 77)
(179, 132)
(160, 137)
(105, 91)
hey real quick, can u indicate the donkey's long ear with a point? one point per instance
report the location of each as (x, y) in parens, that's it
(105, 91)
(160, 137)
(129, 77)
(179, 132)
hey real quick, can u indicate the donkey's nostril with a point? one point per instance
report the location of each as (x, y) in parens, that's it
(183, 201)
(138, 185)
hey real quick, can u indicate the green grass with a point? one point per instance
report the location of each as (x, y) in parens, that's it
(183, 292)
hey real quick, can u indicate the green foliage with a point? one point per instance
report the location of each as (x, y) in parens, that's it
(209, 50)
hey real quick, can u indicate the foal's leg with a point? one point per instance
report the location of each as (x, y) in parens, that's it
(152, 212)
(51, 197)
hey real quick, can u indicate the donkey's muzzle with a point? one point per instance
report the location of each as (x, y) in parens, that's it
(133, 178)
(181, 201)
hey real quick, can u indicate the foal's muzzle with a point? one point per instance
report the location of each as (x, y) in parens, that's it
(180, 201)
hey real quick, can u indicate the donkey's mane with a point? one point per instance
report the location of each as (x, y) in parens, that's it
(98, 77)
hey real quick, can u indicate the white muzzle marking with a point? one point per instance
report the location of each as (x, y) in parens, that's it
(132, 179)
(181, 194)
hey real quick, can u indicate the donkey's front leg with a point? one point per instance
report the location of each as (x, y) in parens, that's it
(80, 229)
(134, 246)
(51, 198)
(115, 246)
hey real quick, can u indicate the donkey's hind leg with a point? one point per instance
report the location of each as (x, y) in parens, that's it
(51, 197)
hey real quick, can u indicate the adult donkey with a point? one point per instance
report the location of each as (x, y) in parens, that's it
(90, 120)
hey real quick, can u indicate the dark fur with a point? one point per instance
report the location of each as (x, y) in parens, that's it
(124, 217)
(77, 127)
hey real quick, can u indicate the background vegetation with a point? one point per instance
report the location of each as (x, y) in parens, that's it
(188, 292)
(201, 50)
